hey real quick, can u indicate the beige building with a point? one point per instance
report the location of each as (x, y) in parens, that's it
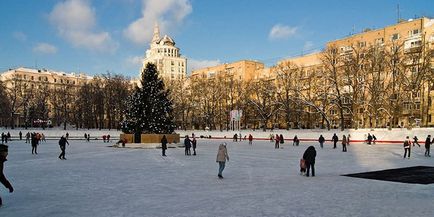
(166, 56)
(243, 70)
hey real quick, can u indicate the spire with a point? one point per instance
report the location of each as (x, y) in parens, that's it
(156, 36)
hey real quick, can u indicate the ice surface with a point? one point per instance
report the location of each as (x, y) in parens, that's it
(97, 180)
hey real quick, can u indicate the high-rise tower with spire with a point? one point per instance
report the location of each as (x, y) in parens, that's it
(163, 53)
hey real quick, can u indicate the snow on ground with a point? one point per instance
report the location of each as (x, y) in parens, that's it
(97, 180)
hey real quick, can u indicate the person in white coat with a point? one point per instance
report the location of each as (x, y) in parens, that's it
(222, 156)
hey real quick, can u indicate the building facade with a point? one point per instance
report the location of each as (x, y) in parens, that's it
(166, 56)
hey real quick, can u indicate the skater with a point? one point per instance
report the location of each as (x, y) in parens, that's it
(276, 144)
(369, 139)
(427, 146)
(21, 135)
(28, 137)
(163, 145)
(415, 141)
(62, 143)
(344, 143)
(407, 147)
(374, 139)
(235, 137)
(335, 140)
(321, 141)
(67, 135)
(85, 137)
(250, 139)
(222, 156)
(271, 137)
(194, 143)
(294, 141)
(104, 138)
(302, 167)
(3, 180)
(309, 157)
(34, 142)
(281, 140)
(43, 137)
(108, 137)
(88, 137)
(8, 138)
(348, 139)
(187, 144)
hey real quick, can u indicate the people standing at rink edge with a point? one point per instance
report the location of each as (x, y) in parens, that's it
(277, 142)
(428, 146)
(194, 143)
(222, 156)
(407, 147)
(3, 180)
(187, 144)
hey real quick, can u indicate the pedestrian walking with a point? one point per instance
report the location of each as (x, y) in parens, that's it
(335, 140)
(222, 156)
(163, 145)
(369, 139)
(407, 147)
(374, 139)
(3, 180)
(108, 137)
(309, 157)
(21, 135)
(344, 143)
(28, 137)
(321, 141)
(62, 144)
(427, 146)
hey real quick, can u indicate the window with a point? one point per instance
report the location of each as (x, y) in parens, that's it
(362, 44)
(379, 41)
(32, 78)
(61, 81)
(414, 32)
(395, 36)
(416, 43)
(55, 80)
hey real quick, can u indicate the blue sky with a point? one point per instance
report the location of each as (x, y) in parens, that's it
(99, 36)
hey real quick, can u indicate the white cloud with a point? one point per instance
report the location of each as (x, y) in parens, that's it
(20, 36)
(75, 22)
(281, 32)
(134, 62)
(168, 13)
(45, 48)
(199, 64)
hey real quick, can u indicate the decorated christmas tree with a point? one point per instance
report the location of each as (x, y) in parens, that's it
(149, 109)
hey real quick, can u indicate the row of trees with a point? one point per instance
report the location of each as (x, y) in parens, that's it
(96, 104)
(369, 86)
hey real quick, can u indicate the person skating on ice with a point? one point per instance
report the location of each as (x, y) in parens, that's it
(3, 180)
(309, 157)
(222, 156)
(163, 145)
(62, 144)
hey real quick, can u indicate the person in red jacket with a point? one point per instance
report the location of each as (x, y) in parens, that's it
(3, 180)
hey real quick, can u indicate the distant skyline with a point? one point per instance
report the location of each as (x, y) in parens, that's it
(100, 36)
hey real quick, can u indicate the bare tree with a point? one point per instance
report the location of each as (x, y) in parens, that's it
(264, 100)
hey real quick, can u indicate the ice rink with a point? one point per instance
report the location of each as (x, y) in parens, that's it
(97, 180)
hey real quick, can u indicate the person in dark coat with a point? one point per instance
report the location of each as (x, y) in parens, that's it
(321, 141)
(28, 137)
(427, 146)
(8, 138)
(62, 143)
(344, 143)
(3, 180)
(281, 139)
(187, 144)
(276, 144)
(335, 140)
(369, 138)
(164, 145)
(415, 141)
(21, 135)
(34, 142)
(108, 137)
(194, 143)
(407, 147)
(309, 157)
